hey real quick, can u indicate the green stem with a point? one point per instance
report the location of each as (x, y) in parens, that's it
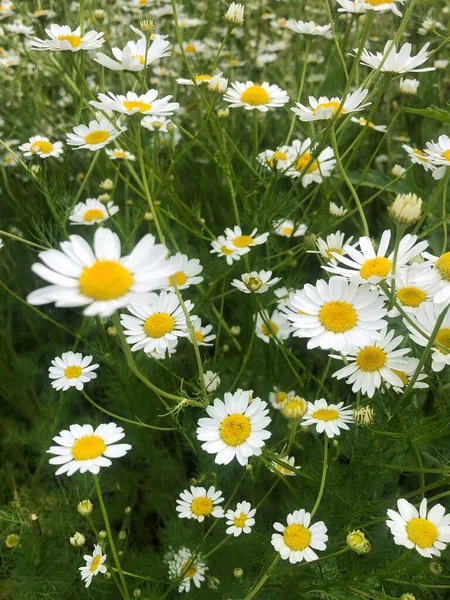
(86, 179)
(255, 589)
(324, 475)
(299, 91)
(219, 545)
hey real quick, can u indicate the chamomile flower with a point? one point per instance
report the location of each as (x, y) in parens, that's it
(157, 123)
(72, 369)
(41, 146)
(132, 103)
(61, 37)
(396, 62)
(277, 397)
(405, 371)
(336, 211)
(186, 271)
(413, 286)
(94, 565)
(298, 539)
(419, 157)
(327, 108)
(384, 6)
(203, 334)
(364, 123)
(408, 87)
(425, 317)
(372, 365)
(243, 243)
(255, 283)
(199, 503)
(100, 279)
(311, 169)
(94, 136)
(287, 228)
(235, 428)
(193, 47)
(439, 154)
(119, 154)
(278, 159)
(224, 248)
(438, 272)
(294, 407)
(333, 244)
(154, 324)
(252, 96)
(309, 28)
(375, 265)
(286, 471)
(92, 211)
(337, 314)
(356, 7)
(275, 325)
(200, 78)
(188, 566)
(328, 418)
(427, 531)
(212, 381)
(7, 9)
(240, 520)
(81, 448)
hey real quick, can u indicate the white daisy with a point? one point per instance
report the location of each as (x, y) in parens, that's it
(277, 397)
(413, 285)
(145, 104)
(243, 243)
(425, 317)
(439, 154)
(356, 7)
(408, 87)
(337, 314)
(419, 157)
(203, 334)
(119, 154)
(427, 531)
(224, 248)
(63, 38)
(188, 566)
(364, 123)
(71, 370)
(276, 325)
(200, 78)
(278, 159)
(334, 244)
(309, 28)
(81, 448)
(186, 271)
(212, 381)
(298, 539)
(100, 278)
(396, 62)
(286, 471)
(328, 418)
(18, 27)
(326, 108)
(94, 565)
(199, 503)
(168, 352)
(41, 146)
(384, 6)
(252, 96)
(336, 211)
(154, 324)
(308, 168)
(436, 270)
(287, 228)
(240, 520)
(254, 282)
(157, 123)
(193, 47)
(405, 371)
(235, 428)
(92, 211)
(95, 135)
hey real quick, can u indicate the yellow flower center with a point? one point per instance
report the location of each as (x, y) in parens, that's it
(242, 241)
(304, 160)
(280, 397)
(180, 278)
(202, 78)
(443, 266)
(96, 137)
(333, 105)
(41, 146)
(356, 538)
(235, 429)
(378, 2)
(269, 332)
(141, 106)
(199, 336)
(202, 506)
(105, 280)
(88, 447)
(191, 571)
(233, 63)
(338, 316)
(74, 40)
(294, 409)
(73, 372)
(420, 154)
(329, 252)
(255, 95)
(297, 537)
(411, 296)
(226, 251)
(446, 155)
(240, 520)
(371, 359)
(92, 214)
(443, 338)
(95, 562)
(401, 375)
(288, 230)
(119, 154)
(325, 414)
(190, 48)
(378, 267)
(422, 532)
(157, 325)
(276, 156)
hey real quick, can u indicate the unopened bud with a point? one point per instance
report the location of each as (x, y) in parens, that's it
(147, 25)
(238, 572)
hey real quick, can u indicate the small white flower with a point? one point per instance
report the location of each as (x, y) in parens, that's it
(405, 371)
(218, 84)
(94, 565)
(326, 108)
(309, 28)
(72, 369)
(132, 103)
(287, 228)
(364, 123)
(328, 418)
(425, 317)
(277, 397)
(235, 14)
(243, 243)
(212, 381)
(335, 211)
(186, 271)
(398, 171)
(396, 62)
(303, 164)
(408, 87)
(386, 6)
(254, 282)
(298, 539)
(224, 248)
(120, 154)
(95, 135)
(274, 326)
(240, 520)
(419, 157)
(41, 146)
(334, 244)
(188, 566)
(252, 96)
(63, 38)
(278, 159)
(199, 503)
(286, 471)
(77, 540)
(202, 334)
(92, 211)
(440, 64)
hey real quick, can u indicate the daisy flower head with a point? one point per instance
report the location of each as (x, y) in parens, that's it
(71, 369)
(337, 314)
(132, 103)
(419, 157)
(7, 9)
(414, 285)
(328, 418)
(188, 566)
(275, 325)
(243, 243)
(199, 503)
(94, 565)
(240, 520)
(235, 428)
(439, 154)
(405, 372)
(298, 539)
(353, 7)
(119, 154)
(92, 211)
(235, 14)
(333, 244)
(364, 123)
(61, 37)
(200, 78)
(371, 366)
(252, 96)
(203, 335)
(212, 381)
(81, 448)
(374, 265)
(94, 136)
(294, 407)
(157, 123)
(186, 271)
(425, 317)
(427, 531)
(311, 169)
(408, 87)
(438, 271)
(41, 146)
(286, 471)
(277, 397)
(384, 6)
(287, 228)
(278, 159)
(396, 62)
(326, 108)
(222, 247)
(406, 209)
(100, 278)
(255, 283)
(309, 28)
(157, 323)
(193, 47)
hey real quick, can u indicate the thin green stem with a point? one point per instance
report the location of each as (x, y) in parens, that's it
(324, 475)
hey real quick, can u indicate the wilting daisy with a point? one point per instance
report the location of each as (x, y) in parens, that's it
(427, 531)
(287, 228)
(405, 371)
(243, 243)
(81, 448)
(372, 365)
(72, 369)
(309, 28)
(240, 520)
(419, 157)
(364, 123)
(188, 566)
(253, 96)
(186, 271)
(439, 154)
(413, 285)
(425, 317)
(145, 104)
(156, 323)
(310, 169)
(328, 418)
(63, 38)
(95, 135)
(384, 6)
(135, 56)
(94, 565)
(92, 211)
(337, 314)
(235, 428)
(396, 62)
(203, 334)
(254, 282)
(370, 264)
(277, 397)
(326, 108)
(275, 325)
(198, 503)
(298, 539)
(333, 244)
(286, 471)
(41, 146)
(101, 278)
(225, 248)
(119, 154)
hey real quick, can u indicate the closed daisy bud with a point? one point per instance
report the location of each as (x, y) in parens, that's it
(235, 14)
(357, 541)
(148, 216)
(235, 330)
(407, 596)
(435, 567)
(218, 84)
(98, 14)
(122, 535)
(12, 540)
(398, 171)
(406, 209)
(104, 197)
(364, 416)
(294, 408)
(107, 185)
(77, 540)
(102, 534)
(147, 26)
(85, 507)
(112, 331)
(238, 572)
(408, 86)
(127, 510)
(223, 113)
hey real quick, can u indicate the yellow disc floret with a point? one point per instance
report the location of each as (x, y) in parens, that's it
(96, 137)
(376, 267)
(411, 296)
(159, 324)
(325, 414)
(88, 447)
(235, 429)
(202, 506)
(105, 280)
(255, 95)
(297, 537)
(337, 316)
(422, 532)
(371, 359)
(73, 372)
(443, 266)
